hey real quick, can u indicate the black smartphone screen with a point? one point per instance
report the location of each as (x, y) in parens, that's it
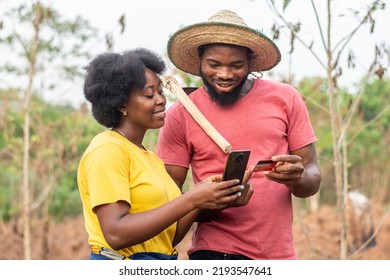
(236, 165)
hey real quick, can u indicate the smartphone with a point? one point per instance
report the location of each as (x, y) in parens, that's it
(236, 165)
(264, 165)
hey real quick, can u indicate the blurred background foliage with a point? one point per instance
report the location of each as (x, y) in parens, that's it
(61, 133)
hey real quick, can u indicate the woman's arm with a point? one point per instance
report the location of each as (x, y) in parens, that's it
(122, 229)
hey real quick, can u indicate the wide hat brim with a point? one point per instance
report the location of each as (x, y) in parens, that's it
(183, 45)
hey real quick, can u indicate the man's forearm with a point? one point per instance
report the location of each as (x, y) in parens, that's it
(309, 182)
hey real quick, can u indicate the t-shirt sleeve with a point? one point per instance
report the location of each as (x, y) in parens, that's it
(172, 145)
(107, 169)
(300, 132)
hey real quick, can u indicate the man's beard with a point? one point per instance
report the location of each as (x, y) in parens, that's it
(224, 99)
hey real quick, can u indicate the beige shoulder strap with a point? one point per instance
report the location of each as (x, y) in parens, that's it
(170, 83)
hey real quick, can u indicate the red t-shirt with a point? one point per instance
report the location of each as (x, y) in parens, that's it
(271, 119)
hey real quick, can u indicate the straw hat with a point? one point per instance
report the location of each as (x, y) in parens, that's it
(223, 27)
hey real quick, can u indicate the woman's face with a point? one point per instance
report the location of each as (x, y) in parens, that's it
(146, 107)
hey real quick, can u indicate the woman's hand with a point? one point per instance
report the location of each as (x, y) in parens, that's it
(214, 194)
(247, 191)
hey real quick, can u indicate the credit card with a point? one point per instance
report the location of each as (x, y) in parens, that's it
(264, 165)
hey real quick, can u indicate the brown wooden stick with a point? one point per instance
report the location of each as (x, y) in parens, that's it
(170, 83)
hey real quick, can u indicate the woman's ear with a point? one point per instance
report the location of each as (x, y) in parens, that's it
(123, 110)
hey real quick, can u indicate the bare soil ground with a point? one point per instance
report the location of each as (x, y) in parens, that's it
(317, 236)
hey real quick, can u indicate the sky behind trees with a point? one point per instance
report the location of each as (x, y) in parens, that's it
(149, 23)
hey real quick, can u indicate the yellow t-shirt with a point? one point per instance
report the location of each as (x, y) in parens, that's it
(112, 169)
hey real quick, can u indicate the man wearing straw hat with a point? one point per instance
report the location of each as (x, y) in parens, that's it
(267, 117)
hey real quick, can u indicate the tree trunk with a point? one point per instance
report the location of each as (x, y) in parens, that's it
(26, 192)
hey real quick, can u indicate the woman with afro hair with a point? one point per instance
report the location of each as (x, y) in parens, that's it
(132, 208)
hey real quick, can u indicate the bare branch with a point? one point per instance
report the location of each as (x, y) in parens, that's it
(318, 105)
(344, 41)
(271, 5)
(351, 113)
(44, 194)
(319, 25)
(367, 124)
